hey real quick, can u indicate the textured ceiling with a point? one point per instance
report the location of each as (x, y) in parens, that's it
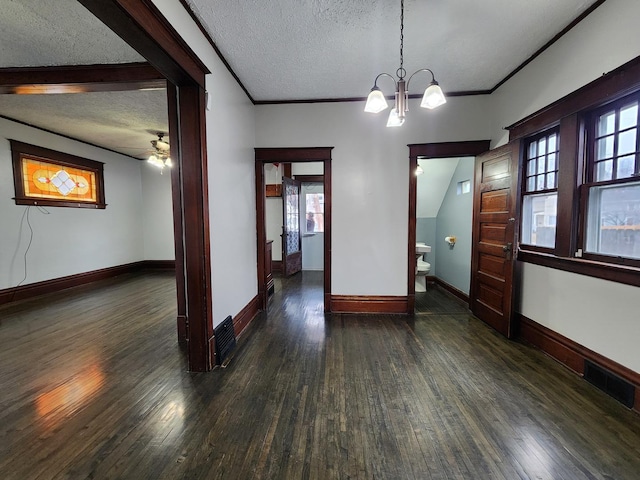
(63, 32)
(280, 50)
(312, 49)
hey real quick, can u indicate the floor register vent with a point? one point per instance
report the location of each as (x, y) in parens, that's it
(609, 383)
(225, 340)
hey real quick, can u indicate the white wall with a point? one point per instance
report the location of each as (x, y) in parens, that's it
(598, 314)
(232, 204)
(370, 175)
(69, 240)
(157, 219)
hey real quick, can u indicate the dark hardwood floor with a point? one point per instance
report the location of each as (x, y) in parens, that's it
(93, 385)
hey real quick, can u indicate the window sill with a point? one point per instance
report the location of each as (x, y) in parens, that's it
(590, 268)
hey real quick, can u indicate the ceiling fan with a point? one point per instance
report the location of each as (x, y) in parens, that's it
(159, 155)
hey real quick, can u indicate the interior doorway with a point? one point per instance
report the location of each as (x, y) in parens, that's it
(429, 151)
(287, 156)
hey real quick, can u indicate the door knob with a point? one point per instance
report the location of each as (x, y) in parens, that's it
(507, 247)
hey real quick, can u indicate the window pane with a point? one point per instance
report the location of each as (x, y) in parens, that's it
(541, 165)
(627, 142)
(604, 170)
(626, 166)
(539, 220)
(542, 146)
(551, 162)
(531, 167)
(531, 184)
(533, 151)
(629, 116)
(606, 123)
(552, 142)
(551, 180)
(613, 221)
(540, 182)
(604, 148)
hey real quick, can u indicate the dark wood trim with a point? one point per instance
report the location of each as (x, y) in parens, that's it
(572, 354)
(80, 79)
(449, 149)
(20, 150)
(288, 155)
(607, 88)
(369, 304)
(159, 264)
(429, 150)
(204, 31)
(52, 285)
(276, 266)
(581, 266)
(452, 290)
(328, 228)
(542, 49)
(261, 234)
(293, 154)
(195, 213)
(462, 93)
(176, 202)
(310, 178)
(141, 24)
(242, 320)
(143, 27)
(567, 222)
(286, 170)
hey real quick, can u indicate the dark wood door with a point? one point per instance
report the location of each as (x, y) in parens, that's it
(494, 231)
(291, 241)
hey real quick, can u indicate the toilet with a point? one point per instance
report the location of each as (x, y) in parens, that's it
(422, 268)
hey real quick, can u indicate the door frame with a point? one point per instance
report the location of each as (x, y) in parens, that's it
(141, 24)
(293, 155)
(429, 150)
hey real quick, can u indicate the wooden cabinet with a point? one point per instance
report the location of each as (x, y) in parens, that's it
(268, 271)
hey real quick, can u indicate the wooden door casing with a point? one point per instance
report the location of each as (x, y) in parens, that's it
(494, 237)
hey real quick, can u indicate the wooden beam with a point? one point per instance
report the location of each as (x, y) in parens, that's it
(80, 79)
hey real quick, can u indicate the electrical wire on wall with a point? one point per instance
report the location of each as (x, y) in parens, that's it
(25, 218)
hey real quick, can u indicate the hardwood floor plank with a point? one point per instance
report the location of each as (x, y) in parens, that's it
(94, 385)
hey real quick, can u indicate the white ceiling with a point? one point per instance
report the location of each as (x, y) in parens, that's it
(62, 32)
(280, 50)
(313, 49)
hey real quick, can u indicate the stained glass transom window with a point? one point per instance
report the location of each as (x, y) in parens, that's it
(47, 177)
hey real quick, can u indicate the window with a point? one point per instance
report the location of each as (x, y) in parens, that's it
(597, 180)
(314, 206)
(540, 190)
(46, 177)
(613, 182)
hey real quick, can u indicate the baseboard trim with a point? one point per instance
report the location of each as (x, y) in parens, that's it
(276, 266)
(242, 320)
(159, 264)
(369, 304)
(62, 283)
(452, 290)
(572, 354)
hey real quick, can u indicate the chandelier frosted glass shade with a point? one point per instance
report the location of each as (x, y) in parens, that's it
(375, 101)
(433, 96)
(394, 119)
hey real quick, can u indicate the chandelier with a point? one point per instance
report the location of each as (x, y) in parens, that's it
(376, 102)
(160, 154)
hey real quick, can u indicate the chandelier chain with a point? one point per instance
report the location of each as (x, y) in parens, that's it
(401, 71)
